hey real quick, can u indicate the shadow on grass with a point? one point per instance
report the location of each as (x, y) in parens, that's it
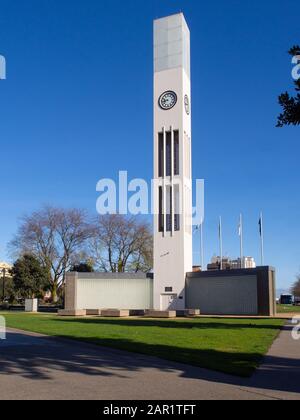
(46, 357)
(200, 323)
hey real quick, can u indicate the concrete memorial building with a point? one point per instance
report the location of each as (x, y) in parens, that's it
(173, 286)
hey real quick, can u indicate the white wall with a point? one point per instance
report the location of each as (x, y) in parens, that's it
(111, 291)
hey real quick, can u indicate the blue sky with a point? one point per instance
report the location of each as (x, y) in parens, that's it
(77, 107)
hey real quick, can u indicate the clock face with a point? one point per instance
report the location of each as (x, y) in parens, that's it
(167, 100)
(187, 104)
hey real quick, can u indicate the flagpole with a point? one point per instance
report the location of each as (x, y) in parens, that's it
(221, 243)
(262, 238)
(241, 241)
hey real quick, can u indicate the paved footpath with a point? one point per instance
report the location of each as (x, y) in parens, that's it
(38, 367)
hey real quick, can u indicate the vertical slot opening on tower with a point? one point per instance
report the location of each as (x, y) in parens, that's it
(168, 153)
(160, 155)
(169, 209)
(176, 208)
(160, 214)
(176, 152)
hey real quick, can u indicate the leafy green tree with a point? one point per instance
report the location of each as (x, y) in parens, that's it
(30, 277)
(84, 267)
(290, 104)
(9, 291)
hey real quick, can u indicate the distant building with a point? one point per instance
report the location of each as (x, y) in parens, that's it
(216, 264)
(286, 299)
(7, 267)
(247, 262)
(229, 264)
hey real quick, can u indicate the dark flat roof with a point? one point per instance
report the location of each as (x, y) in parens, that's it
(230, 273)
(114, 276)
(197, 274)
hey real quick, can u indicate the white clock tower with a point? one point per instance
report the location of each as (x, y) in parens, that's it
(172, 162)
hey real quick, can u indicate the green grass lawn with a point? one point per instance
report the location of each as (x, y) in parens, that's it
(288, 309)
(233, 346)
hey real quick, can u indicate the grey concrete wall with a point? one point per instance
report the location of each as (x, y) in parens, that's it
(70, 291)
(233, 292)
(266, 281)
(223, 295)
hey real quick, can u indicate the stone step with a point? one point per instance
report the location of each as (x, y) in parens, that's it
(114, 313)
(160, 314)
(94, 312)
(190, 313)
(78, 312)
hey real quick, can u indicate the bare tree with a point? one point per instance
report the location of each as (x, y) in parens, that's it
(296, 288)
(122, 244)
(54, 236)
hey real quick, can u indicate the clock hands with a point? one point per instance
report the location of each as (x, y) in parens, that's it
(167, 100)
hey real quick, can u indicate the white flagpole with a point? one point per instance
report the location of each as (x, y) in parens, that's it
(221, 243)
(262, 239)
(241, 233)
